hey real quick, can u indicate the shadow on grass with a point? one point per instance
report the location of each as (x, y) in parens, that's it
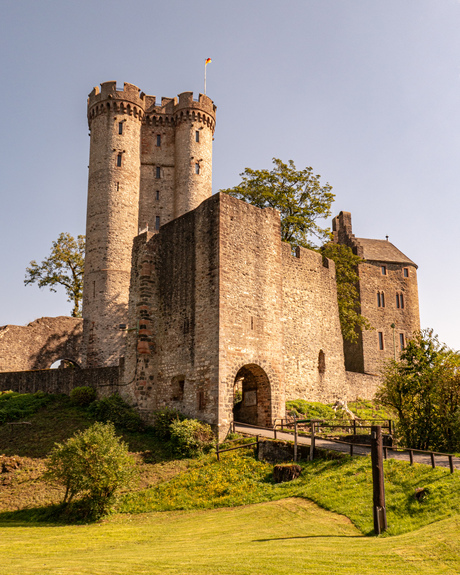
(48, 515)
(306, 537)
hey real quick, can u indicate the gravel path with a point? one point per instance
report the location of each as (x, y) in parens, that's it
(440, 461)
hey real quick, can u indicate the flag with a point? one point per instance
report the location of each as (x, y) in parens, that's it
(208, 61)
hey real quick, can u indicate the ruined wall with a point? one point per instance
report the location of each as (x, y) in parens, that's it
(40, 343)
(251, 311)
(314, 361)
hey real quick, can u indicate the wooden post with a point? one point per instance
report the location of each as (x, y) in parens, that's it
(380, 515)
(451, 464)
(389, 427)
(274, 431)
(351, 449)
(433, 463)
(257, 446)
(354, 426)
(295, 440)
(312, 440)
(217, 451)
(411, 456)
(385, 452)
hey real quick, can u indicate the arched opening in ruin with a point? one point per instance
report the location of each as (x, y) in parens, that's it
(252, 396)
(63, 363)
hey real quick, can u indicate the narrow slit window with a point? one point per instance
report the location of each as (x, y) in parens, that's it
(120, 128)
(197, 168)
(399, 301)
(380, 299)
(118, 186)
(201, 401)
(157, 195)
(197, 136)
(158, 172)
(157, 222)
(158, 140)
(119, 161)
(381, 340)
(401, 341)
(383, 269)
(406, 272)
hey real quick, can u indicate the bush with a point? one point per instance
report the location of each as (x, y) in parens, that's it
(82, 396)
(310, 409)
(117, 411)
(93, 464)
(15, 406)
(190, 437)
(163, 418)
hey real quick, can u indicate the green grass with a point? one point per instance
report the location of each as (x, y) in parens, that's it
(287, 537)
(362, 408)
(14, 406)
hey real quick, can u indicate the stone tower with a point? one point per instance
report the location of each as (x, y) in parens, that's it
(148, 164)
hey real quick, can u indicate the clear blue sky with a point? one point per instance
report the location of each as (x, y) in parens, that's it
(365, 92)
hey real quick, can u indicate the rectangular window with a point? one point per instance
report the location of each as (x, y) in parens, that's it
(118, 186)
(120, 128)
(119, 161)
(401, 341)
(380, 299)
(157, 223)
(158, 140)
(158, 173)
(381, 340)
(197, 136)
(383, 269)
(157, 194)
(406, 272)
(201, 401)
(197, 168)
(399, 301)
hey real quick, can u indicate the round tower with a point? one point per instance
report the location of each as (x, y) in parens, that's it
(195, 122)
(115, 119)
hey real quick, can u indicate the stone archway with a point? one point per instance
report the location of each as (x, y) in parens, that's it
(255, 405)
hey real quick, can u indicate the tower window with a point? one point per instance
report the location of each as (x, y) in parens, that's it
(401, 341)
(157, 194)
(201, 401)
(119, 161)
(120, 128)
(158, 173)
(197, 136)
(399, 301)
(118, 186)
(380, 299)
(406, 272)
(157, 223)
(321, 361)
(197, 168)
(383, 269)
(158, 140)
(381, 340)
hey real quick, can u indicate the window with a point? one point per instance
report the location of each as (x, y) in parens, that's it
(201, 401)
(158, 140)
(197, 168)
(383, 269)
(381, 340)
(197, 136)
(321, 361)
(399, 301)
(401, 341)
(158, 173)
(406, 272)
(120, 128)
(380, 299)
(157, 223)
(157, 194)
(119, 161)
(118, 186)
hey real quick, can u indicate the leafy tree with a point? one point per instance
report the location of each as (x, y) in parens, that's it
(346, 263)
(93, 464)
(64, 266)
(423, 387)
(297, 194)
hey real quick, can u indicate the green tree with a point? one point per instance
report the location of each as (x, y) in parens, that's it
(297, 194)
(346, 263)
(93, 464)
(423, 387)
(64, 266)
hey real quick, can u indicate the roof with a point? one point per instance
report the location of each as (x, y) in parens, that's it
(382, 251)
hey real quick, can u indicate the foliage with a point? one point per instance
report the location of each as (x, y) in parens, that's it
(297, 194)
(163, 418)
(346, 263)
(64, 266)
(114, 409)
(310, 409)
(423, 387)
(93, 464)
(83, 396)
(15, 406)
(191, 437)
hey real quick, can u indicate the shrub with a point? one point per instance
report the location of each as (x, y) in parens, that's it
(117, 411)
(15, 406)
(163, 418)
(190, 437)
(82, 396)
(93, 464)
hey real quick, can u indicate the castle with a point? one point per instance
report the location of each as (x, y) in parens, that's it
(196, 297)
(212, 299)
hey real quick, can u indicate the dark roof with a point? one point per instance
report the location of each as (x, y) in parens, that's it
(382, 251)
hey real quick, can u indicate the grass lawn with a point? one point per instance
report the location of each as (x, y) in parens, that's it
(284, 537)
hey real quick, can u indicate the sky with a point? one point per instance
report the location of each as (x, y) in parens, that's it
(367, 93)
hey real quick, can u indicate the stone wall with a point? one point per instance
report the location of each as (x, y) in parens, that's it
(105, 380)
(40, 343)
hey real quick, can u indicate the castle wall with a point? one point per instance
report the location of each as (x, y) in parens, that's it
(314, 361)
(40, 343)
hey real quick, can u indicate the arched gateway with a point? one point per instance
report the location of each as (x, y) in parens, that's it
(252, 393)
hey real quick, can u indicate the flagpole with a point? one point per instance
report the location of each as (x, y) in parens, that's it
(205, 64)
